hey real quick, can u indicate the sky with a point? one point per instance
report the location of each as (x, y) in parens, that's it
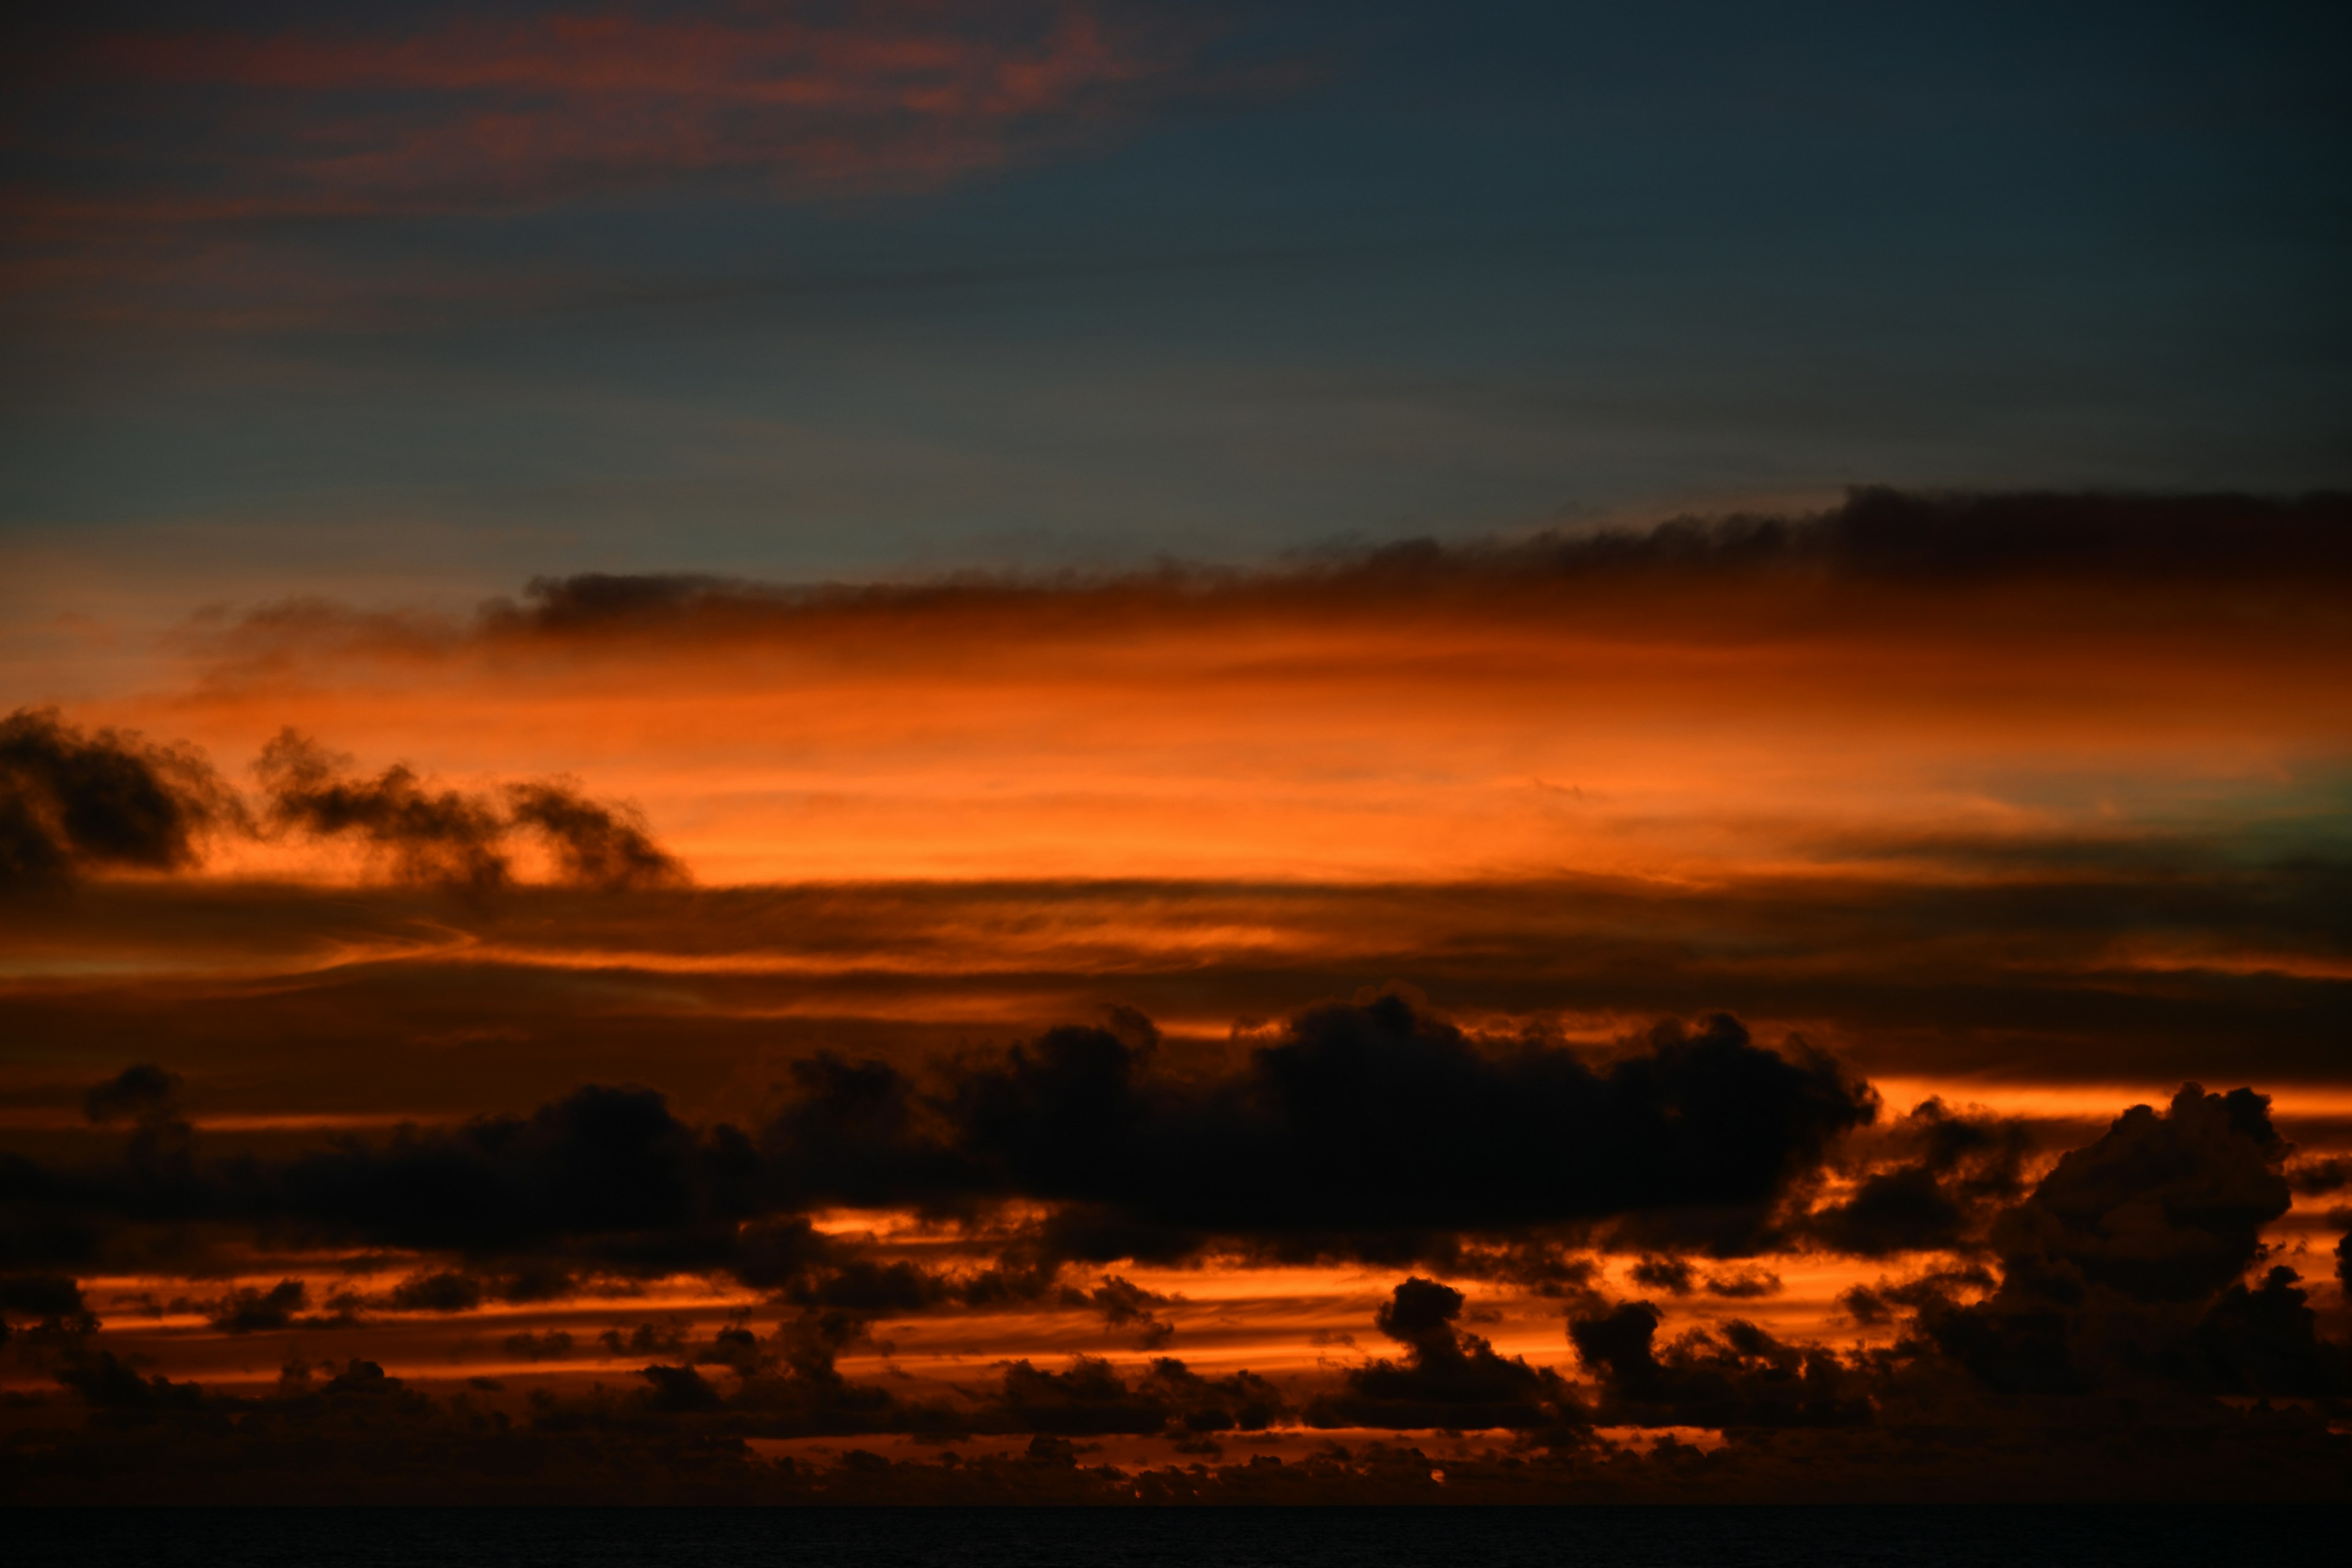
(1036, 752)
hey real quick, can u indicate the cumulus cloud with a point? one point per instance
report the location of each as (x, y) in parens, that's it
(1449, 1377)
(72, 802)
(75, 803)
(1946, 1175)
(1735, 1377)
(2126, 1267)
(453, 838)
(1361, 1121)
(1372, 1130)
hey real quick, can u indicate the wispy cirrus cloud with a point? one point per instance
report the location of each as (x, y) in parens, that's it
(478, 113)
(152, 172)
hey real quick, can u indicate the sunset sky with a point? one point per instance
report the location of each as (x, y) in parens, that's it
(932, 751)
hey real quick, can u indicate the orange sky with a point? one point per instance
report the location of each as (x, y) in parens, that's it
(1989, 841)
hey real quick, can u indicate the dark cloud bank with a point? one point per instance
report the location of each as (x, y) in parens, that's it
(1877, 535)
(2116, 1330)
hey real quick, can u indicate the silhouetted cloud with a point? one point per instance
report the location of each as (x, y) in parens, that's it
(2125, 1265)
(1876, 535)
(1126, 1305)
(71, 802)
(247, 1311)
(142, 1093)
(43, 1308)
(445, 1290)
(1735, 1377)
(597, 845)
(1361, 1120)
(1449, 1378)
(450, 837)
(1949, 1173)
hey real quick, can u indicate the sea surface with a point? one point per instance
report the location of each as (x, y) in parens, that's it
(1978, 1537)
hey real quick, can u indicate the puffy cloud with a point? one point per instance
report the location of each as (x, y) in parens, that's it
(445, 1290)
(248, 1310)
(1374, 1131)
(2124, 1266)
(451, 836)
(1362, 1121)
(1735, 1377)
(1126, 1305)
(1449, 1377)
(43, 1308)
(71, 802)
(2163, 1208)
(1948, 1174)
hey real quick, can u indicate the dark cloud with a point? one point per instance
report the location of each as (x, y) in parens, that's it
(1876, 535)
(2265, 1339)
(2166, 1207)
(45, 1308)
(1948, 1174)
(2126, 1267)
(1449, 1378)
(605, 1174)
(108, 1383)
(1676, 1277)
(1671, 1275)
(596, 845)
(248, 1310)
(427, 836)
(445, 1290)
(1126, 1305)
(2320, 1177)
(645, 1340)
(1872, 1305)
(1735, 1377)
(450, 837)
(71, 802)
(1374, 1131)
(142, 1093)
(1360, 1121)
(1087, 1399)
(1744, 1285)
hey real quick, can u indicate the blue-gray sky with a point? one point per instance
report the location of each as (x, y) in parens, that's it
(312, 293)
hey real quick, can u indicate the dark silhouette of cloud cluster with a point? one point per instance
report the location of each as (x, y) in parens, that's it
(2127, 1265)
(1370, 1129)
(451, 836)
(1736, 1376)
(72, 802)
(1952, 1173)
(1362, 1124)
(2134, 1269)
(1449, 1377)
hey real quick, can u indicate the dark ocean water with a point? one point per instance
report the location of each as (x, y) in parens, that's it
(1226, 1538)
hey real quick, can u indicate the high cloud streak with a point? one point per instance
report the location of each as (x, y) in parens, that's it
(434, 111)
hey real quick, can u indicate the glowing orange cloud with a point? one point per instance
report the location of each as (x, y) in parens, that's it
(1354, 730)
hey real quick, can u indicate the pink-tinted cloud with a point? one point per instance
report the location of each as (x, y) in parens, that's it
(480, 113)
